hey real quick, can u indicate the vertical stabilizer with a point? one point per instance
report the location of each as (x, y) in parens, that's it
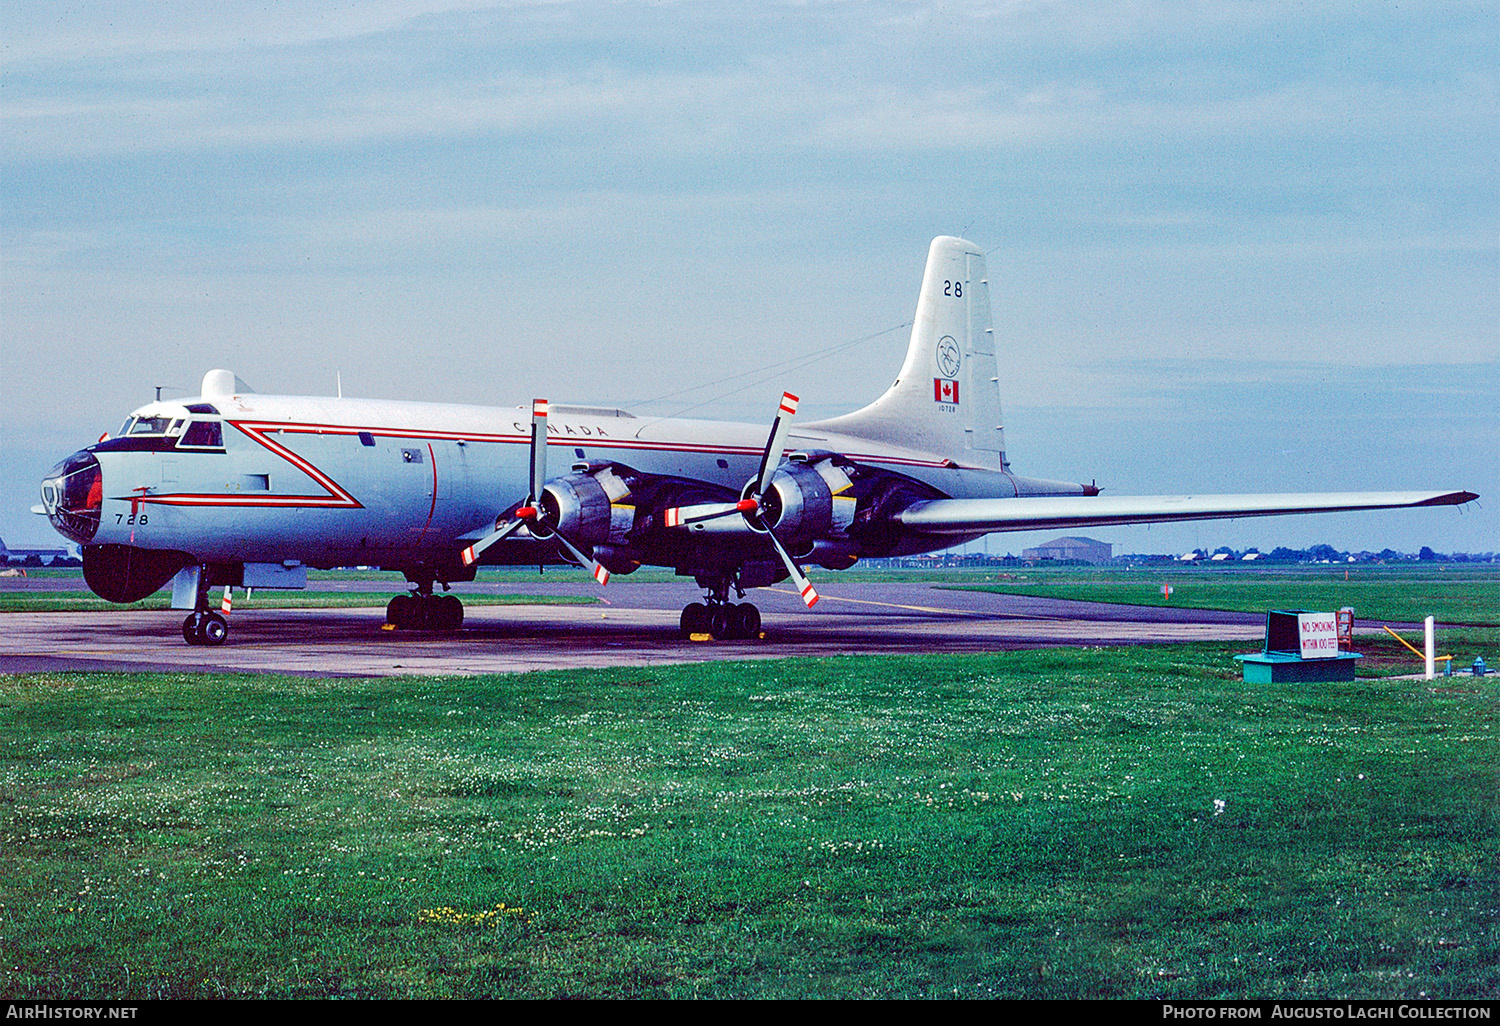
(946, 400)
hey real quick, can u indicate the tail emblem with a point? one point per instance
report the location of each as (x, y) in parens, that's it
(949, 356)
(944, 391)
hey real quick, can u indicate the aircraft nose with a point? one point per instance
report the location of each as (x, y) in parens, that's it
(72, 496)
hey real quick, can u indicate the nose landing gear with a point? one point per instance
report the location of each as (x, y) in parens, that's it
(204, 626)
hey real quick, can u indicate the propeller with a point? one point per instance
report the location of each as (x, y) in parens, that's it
(530, 513)
(750, 504)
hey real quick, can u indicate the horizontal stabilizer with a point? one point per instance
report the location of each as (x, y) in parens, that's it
(977, 516)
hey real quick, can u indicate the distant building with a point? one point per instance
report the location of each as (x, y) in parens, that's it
(38, 557)
(1078, 550)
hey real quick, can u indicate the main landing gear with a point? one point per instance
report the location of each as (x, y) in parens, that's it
(717, 616)
(425, 612)
(421, 610)
(204, 626)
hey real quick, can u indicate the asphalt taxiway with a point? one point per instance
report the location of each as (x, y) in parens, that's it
(629, 625)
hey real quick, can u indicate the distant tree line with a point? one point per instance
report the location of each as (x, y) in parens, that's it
(1319, 554)
(1279, 555)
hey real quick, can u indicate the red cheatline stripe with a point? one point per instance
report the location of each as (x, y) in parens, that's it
(257, 432)
(523, 439)
(338, 498)
(247, 501)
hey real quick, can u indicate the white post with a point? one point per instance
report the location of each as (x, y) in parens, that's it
(1427, 634)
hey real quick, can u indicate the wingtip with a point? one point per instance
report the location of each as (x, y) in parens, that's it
(1451, 499)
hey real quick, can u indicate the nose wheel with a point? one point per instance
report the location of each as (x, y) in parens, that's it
(205, 628)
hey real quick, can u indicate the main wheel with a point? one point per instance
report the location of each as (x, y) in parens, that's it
(721, 621)
(399, 612)
(190, 630)
(694, 619)
(449, 613)
(747, 620)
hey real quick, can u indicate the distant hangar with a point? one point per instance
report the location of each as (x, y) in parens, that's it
(1080, 550)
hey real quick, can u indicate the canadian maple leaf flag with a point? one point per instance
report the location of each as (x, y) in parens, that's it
(944, 391)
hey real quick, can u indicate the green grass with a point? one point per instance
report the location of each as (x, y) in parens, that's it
(1031, 825)
(1453, 594)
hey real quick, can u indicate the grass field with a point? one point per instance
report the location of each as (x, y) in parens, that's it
(1075, 823)
(1466, 596)
(1454, 594)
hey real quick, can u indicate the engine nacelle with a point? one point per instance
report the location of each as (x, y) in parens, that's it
(589, 506)
(810, 498)
(831, 554)
(618, 559)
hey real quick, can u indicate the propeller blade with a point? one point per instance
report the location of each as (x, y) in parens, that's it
(683, 516)
(771, 458)
(471, 553)
(804, 586)
(528, 512)
(593, 566)
(538, 448)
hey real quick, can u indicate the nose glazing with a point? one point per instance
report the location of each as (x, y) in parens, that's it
(72, 495)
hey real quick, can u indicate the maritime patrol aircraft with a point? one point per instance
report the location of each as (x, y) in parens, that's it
(232, 488)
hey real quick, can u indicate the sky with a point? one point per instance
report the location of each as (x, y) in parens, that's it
(1232, 246)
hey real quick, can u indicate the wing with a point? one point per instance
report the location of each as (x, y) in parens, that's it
(974, 516)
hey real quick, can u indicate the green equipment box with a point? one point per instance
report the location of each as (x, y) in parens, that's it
(1300, 646)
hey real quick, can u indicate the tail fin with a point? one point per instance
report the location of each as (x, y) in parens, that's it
(946, 400)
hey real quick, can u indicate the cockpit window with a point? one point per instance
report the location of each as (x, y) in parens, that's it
(207, 434)
(146, 426)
